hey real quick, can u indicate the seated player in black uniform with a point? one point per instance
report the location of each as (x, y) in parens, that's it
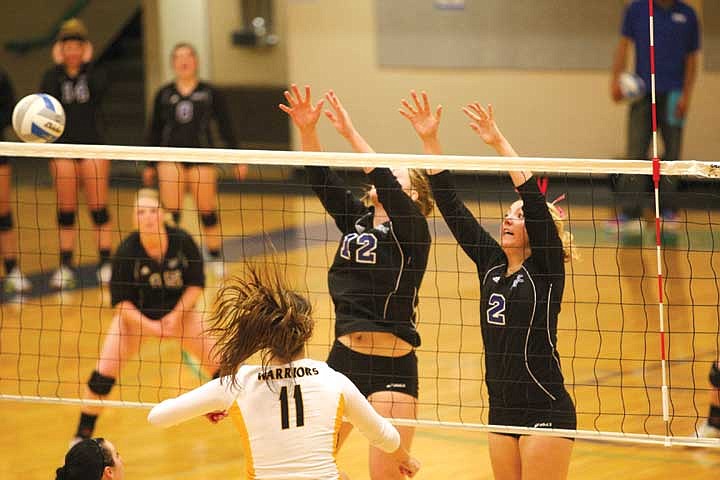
(80, 88)
(375, 276)
(521, 280)
(15, 281)
(157, 279)
(711, 427)
(182, 116)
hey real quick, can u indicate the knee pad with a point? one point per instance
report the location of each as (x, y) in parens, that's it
(209, 219)
(100, 216)
(66, 219)
(176, 217)
(6, 222)
(99, 384)
(715, 375)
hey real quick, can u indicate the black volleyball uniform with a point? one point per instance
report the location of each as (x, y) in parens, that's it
(375, 277)
(184, 121)
(155, 288)
(81, 97)
(518, 313)
(7, 104)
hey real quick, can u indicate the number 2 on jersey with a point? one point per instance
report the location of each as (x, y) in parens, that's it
(496, 309)
(365, 253)
(284, 411)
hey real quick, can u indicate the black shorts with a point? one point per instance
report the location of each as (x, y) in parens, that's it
(375, 373)
(552, 414)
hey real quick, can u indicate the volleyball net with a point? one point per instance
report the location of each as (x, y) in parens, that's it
(637, 333)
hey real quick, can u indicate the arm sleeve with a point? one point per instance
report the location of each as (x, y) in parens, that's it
(378, 429)
(222, 116)
(7, 101)
(122, 287)
(154, 135)
(335, 197)
(408, 223)
(627, 25)
(211, 397)
(546, 245)
(694, 40)
(194, 274)
(475, 241)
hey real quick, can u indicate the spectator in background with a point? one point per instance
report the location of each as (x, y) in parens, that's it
(711, 428)
(92, 459)
(15, 281)
(80, 88)
(182, 115)
(677, 43)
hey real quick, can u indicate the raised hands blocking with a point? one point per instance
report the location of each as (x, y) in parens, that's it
(338, 116)
(425, 122)
(483, 123)
(302, 112)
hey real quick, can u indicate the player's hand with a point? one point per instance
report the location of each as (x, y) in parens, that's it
(57, 53)
(338, 116)
(682, 106)
(483, 123)
(215, 417)
(302, 112)
(425, 122)
(88, 53)
(410, 467)
(241, 171)
(615, 92)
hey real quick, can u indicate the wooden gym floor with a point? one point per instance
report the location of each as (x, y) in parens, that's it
(607, 341)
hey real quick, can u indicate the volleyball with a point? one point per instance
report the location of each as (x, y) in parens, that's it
(38, 118)
(631, 86)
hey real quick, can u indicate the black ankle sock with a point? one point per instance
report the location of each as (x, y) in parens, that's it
(10, 264)
(214, 253)
(86, 427)
(66, 258)
(714, 416)
(104, 255)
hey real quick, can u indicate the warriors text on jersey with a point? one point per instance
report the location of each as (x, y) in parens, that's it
(184, 121)
(80, 96)
(518, 312)
(377, 271)
(288, 417)
(155, 288)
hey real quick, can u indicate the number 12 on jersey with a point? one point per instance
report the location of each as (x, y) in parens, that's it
(284, 412)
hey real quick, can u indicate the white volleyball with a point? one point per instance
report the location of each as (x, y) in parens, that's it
(632, 86)
(38, 118)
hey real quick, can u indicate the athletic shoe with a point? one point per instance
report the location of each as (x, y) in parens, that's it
(16, 282)
(104, 273)
(708, 431)
(63, 278)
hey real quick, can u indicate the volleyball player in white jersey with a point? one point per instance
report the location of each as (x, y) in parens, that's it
(288, 410)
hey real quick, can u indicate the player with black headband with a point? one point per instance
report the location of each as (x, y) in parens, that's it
(157, 279)
(376, 274)
(15, 281)
(92, 459)
(182, 116)
(521, 280)
(80, 88)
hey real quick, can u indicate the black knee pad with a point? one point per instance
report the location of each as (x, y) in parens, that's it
(6, 222)
(176, 215)
(209, 219)
(715, 375)
(99, 384)
(100, 216)
(66, 219)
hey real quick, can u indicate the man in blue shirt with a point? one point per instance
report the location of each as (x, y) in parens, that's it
(677, 43)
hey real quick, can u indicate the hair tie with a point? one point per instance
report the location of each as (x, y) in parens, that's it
(560, 198)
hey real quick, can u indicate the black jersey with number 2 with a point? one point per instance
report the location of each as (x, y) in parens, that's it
(80, 97)
(155, 288)
(518, 312)
(184, 120)
(377, 270)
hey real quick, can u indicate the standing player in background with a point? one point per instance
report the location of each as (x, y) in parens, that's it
(182, 115)
(522, 281)
(15, 281)
(80, 88)
(376, 274)
(92, 459)
(711, 427)
(288, 410)
(677, 45)
(157, 279)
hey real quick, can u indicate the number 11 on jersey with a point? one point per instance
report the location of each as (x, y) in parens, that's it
(299, 412)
